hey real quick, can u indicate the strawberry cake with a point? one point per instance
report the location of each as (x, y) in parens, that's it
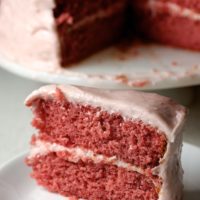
(100, 144)
(50, 34)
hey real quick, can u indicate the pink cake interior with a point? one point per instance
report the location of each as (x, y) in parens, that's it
(72, 125)
(92, 181)
(167, 27)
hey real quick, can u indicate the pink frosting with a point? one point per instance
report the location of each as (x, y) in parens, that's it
(27, 33)
(153, 109)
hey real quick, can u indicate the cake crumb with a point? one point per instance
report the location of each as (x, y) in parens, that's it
(141, 83)
(174, 64)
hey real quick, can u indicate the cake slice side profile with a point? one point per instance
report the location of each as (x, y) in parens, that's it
(102, 144)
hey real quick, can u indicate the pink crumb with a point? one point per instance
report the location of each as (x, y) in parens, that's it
(64, 17)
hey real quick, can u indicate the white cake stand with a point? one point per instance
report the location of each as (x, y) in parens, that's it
(144, 67)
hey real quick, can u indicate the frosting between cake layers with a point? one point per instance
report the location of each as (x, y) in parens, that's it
(174, 9)
(41, 148)
(160, 112)
(75, 154)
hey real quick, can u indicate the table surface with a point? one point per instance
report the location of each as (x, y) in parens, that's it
(15, 131)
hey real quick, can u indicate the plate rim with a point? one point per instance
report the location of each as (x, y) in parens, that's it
(82, 79)
(12, 159)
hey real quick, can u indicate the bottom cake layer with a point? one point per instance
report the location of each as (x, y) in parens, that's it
(90, 181)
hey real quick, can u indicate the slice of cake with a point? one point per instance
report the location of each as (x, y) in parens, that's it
(101, 144)
(45, 34)
(172, 22)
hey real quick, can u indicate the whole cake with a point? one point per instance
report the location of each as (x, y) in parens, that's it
(101, 144)
(48, 34)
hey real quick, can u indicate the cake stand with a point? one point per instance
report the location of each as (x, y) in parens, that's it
(137, 66)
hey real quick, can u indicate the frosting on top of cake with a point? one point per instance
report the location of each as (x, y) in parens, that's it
(153, 109)
(76, 154)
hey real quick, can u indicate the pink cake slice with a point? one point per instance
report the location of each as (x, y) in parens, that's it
(102, 144)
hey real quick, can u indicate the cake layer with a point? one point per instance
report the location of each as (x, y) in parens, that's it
(79, 9)
(169, 22)
(91, 181)
(72, 125)
(155, 110)
(78, 40)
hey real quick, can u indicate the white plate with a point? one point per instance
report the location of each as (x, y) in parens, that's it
(16, 184)
(141, 66)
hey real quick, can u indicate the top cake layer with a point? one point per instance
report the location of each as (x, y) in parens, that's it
(80, 9)
(159, 111)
